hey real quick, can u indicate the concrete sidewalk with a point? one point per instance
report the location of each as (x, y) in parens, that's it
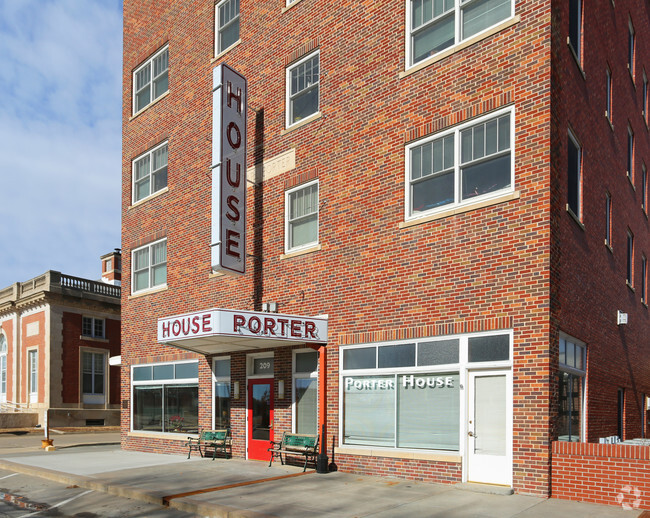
(237, 488)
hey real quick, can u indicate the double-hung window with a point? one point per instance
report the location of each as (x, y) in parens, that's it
(3, 368)
(571, 389)
(93, 376)
(303, 85)
(151, 80)
(436, 25)
(631, 48)
(302, 217)
(630, 154)
(32, 360)
(150, 173)
(150, 266)
(629, 264)
(575, 28)
(93, 327)
(227, 24)
(459, 166)
(574, 173)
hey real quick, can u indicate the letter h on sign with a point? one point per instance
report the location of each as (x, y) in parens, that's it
(229, 171)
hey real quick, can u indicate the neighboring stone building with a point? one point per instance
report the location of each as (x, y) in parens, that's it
(57, 333)
(446, 205)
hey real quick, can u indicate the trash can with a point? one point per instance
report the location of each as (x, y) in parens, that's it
(322, 463)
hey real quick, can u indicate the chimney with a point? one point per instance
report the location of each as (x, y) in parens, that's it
(112, 267)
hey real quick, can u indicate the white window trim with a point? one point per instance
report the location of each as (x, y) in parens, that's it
(32, 391)
(88, 397)
(455, 130)
(311, 244)
(249, 365)
(463, 367)
(288, 123)
(302, 375)
(150, 288)
(148, 61)
(217, 51)
(180, 381)
(458, 43)
(152, 193)
(92, 334)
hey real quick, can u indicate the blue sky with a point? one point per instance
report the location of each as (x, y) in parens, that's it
(60, 136)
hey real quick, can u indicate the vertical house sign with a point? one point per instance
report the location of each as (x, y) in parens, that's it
(229, 97)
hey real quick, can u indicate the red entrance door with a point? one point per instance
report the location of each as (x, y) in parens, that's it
(260, 418)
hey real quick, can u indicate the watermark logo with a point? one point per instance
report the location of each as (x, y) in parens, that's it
(629, 498)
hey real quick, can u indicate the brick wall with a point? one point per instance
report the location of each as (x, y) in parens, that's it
(609, 474)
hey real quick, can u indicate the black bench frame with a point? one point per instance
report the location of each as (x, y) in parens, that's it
(217, 440)
(298, 444)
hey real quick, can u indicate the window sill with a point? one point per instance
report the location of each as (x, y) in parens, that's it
(301, 123)
(576, 58)
(304, 251)
(398, 454)
(462, 45)
(461, 209)
(292, 4)
(645, 304)
(144, 293)
(225, 51)
(168, 436)
(574, 217)
(627, 283)
(609, 121)
(152, 103)
(631, 180)
(609, 247)
(93, 339)
(148, 198)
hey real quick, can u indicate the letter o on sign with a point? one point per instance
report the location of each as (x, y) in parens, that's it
(232, 126)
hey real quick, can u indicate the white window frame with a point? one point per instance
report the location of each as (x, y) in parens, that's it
(149, 268)
(457, 29)
(219, 379)
(93, 333)
(464, 367)
(94, 397)
(4, 353)
(303, 375)
(288, 222)
(289, 97)
(163, 383)
(218, 30)
(149, 154)
(572, 369)
(149, 62)
(32, 365)
(456, 132)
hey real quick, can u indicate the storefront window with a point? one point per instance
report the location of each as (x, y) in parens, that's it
(305, 391)
(369, 410)
(166, 398)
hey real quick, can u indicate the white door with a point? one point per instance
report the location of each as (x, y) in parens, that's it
(489, 430)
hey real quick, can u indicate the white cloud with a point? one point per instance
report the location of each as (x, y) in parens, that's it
(60, 136)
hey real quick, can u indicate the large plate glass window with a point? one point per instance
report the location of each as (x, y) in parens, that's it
(166, 397)
(227, 21)
(221, 371)
(305, 391)
(303, 81)
(150, 173)
(150, 266)
(302, 217)
(436, 25)
(571, 384)
(461, 165)
(151, 80)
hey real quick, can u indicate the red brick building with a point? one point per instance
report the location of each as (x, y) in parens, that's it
(446, 205)
(57, 333)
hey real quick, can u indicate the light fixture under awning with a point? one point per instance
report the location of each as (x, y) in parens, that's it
(225, 330)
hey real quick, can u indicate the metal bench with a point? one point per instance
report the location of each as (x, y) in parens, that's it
(295, 444)
(217, 440)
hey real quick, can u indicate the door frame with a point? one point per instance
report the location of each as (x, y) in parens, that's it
(249, 382)
(507, 480)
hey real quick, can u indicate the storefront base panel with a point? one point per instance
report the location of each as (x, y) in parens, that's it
(609, 474)
(149, 444)
(411, 469)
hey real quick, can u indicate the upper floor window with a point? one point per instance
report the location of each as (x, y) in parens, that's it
(436, 25)
(644, 100)
(150, 80)
(575, 28)
(644, 189)
(574, 173)
(227, 24)
(630, 153)
(608, 92)
(644, 279)
(150, 266)
(608, 220)
(303, 84)
(631, 48)
(93, 327)
(629, 273)
(150, 173)
(459, 166)
(302, 217)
